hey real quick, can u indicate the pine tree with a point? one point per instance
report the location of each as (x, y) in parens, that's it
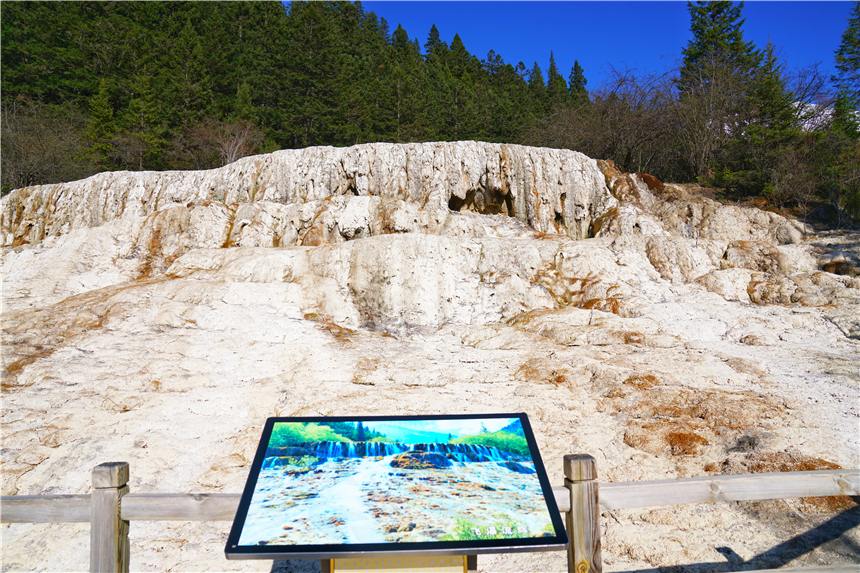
(434, 42)
(407, 85)
(363, 92)
(102, 127)
(244, 108)
(769, 129)
(845, 119)
(246, 42)
(400, 40)
(521, 99)
(717, 42)
(847, 79)
(844, 173)
(493, 63)
(506, 96)
(144, 126)
(537, 91)
(770, 101)
(577, 83)
(714, 82)
(847, 60)
(189, 86)
(439, 89)
(466, 121)
(522, 71)
(459, 59)
(313, 80)
(557, 92)
(384, 30)
(536, 83)
(469, 111)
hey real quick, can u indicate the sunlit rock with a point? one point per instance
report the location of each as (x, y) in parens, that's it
(160, 318)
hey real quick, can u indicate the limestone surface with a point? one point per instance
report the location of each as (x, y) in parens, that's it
(160, 318)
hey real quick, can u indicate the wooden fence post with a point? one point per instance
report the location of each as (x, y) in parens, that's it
(109, 546)
(583, 519)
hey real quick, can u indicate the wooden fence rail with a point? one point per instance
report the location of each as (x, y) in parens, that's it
(110, 507)
(785, 485)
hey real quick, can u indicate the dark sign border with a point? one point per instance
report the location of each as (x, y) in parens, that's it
(334, 551)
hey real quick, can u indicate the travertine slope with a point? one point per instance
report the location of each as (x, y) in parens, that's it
(160, 318)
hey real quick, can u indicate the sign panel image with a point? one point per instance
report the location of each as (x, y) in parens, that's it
(336, 486)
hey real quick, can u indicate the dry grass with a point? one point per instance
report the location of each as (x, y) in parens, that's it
(610, 304)
(564, 290)
(364, 367)
(341, 333)
(685, 443)
(668, 420)
(542, 371)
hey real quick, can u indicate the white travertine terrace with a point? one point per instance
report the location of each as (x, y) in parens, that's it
(160, 318)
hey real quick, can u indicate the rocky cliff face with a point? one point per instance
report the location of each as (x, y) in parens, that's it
(278, 199)
(159, 318)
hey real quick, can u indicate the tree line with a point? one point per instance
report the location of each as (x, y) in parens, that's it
(95, 86)
(731, 116)
(90, 86)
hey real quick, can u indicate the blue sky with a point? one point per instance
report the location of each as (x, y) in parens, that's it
(454, 427)
(642, 35)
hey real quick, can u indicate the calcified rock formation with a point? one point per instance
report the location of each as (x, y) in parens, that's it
(277, 199)
(159, 318)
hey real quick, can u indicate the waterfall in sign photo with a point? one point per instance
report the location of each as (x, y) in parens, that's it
(327, 450)
(479, 483)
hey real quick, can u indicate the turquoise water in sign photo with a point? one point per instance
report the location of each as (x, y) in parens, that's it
(396, 482)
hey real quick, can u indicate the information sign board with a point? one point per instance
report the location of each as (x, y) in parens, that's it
(382, 485)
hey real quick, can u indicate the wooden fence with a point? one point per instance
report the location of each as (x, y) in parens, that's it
(110, 507)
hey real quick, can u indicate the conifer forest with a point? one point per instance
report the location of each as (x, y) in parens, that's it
(97, 86)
